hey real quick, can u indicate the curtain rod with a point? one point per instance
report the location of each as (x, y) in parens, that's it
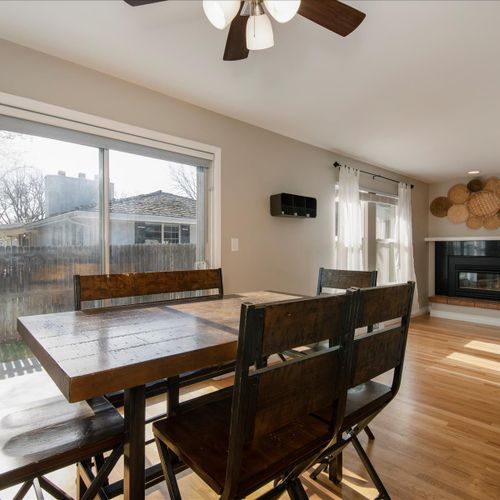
(374, 176)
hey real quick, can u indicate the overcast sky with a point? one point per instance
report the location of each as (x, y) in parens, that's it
(130, 173)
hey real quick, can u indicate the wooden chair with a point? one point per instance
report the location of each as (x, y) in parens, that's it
(141, 285)
(41, 432)
(374, 353)
(263, 429)
(341, 279)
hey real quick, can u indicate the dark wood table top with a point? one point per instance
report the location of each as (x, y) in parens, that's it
(93, 352)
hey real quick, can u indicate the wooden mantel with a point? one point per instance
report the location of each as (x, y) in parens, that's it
(463, 238)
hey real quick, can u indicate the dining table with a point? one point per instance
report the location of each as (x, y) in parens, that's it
(94, 352)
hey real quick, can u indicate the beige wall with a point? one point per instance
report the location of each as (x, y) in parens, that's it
(275, 253)
(441, 226)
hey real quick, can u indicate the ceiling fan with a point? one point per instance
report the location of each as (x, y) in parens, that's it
(250, 27)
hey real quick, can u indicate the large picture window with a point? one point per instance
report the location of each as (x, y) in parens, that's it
(75, 203)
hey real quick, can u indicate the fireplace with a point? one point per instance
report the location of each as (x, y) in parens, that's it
(477, 277)
(468, 269)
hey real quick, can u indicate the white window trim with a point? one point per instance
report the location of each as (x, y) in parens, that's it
(49, 114)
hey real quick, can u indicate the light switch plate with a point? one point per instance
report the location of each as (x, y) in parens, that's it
(235, 244)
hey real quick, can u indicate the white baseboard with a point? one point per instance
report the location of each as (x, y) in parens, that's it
(421, 312)
(489, 317)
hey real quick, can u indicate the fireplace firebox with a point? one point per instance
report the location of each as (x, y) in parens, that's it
(477, 277)
(468, 269)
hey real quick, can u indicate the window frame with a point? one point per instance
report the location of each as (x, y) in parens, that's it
(369, 200)
(47, 114)
(168, 228)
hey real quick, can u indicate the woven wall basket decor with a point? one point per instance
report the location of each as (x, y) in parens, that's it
(475, 185)
(497, 190)
(458, 194)
(474, 222)
(476, 204)
(440, 206)
(484, 204)
(458, 214)
(491, 184)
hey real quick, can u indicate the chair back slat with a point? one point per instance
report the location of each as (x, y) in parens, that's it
(381, 304)
(376, 354)
(382, 350)
(293, 390)
(296, 324)
(112, 286)
(343, 279)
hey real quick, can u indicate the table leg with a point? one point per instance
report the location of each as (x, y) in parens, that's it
(133, 451)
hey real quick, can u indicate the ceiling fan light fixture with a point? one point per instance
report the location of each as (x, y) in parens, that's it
(282, 10)
(221, 12)
(259, 32)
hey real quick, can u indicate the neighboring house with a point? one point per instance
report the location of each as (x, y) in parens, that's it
(72, 217)
(156, 217)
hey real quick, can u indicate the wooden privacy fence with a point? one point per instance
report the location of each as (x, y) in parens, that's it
(36, 280)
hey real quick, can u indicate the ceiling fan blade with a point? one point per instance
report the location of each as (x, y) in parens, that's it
(137, 3)
(236, 45)
(332, 15)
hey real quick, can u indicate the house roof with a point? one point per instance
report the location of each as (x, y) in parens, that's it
(157, 203)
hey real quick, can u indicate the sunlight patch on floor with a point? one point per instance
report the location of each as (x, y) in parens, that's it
(484, 346)
(353, 483)
(483, 363)
(359, 484)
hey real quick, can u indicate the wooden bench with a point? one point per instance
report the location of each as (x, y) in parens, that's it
(41, 432)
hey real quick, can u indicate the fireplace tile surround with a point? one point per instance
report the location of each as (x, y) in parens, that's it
(468, 269)
(462, 307)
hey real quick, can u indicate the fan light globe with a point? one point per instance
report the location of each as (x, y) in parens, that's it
(259, 32)
(282, 10)
(221, 12)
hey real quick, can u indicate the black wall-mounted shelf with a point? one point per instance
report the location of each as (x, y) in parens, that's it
(293, 205)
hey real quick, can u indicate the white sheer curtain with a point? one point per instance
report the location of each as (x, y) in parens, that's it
(405, 267)
(348, 253)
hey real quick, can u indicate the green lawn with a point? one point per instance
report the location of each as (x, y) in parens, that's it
(12, 350)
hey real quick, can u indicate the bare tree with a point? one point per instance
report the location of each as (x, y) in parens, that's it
(13, 148)
(185, 181)
(21, 186)
(21, 195)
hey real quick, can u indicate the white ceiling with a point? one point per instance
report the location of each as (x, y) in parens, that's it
(415, 89)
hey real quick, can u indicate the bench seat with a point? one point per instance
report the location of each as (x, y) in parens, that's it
(41, 432)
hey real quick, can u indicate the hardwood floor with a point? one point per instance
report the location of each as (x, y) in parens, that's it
(439, 439)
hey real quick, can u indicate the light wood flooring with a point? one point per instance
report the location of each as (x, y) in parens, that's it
(440, 438)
